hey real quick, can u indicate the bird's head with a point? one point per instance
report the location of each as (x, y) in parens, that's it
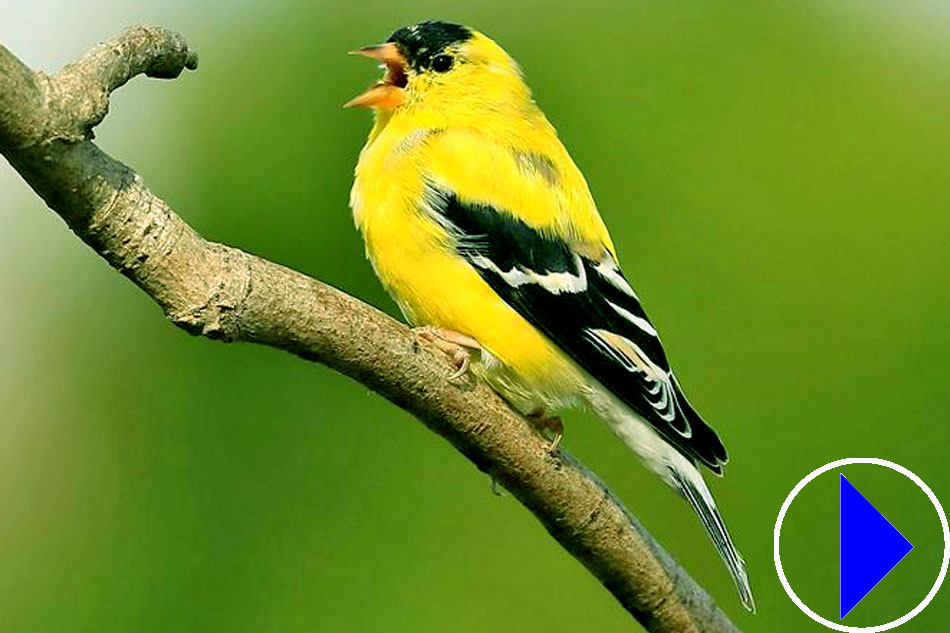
(438, 65)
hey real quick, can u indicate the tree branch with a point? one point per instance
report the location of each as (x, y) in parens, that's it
(226, 294)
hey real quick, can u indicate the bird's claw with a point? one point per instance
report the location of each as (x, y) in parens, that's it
(462, 359)
(544, 422)
(456, 345)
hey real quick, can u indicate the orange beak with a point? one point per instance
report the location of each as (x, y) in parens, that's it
(390, 92)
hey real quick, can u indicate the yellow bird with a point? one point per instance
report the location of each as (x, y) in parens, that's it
(482, 228)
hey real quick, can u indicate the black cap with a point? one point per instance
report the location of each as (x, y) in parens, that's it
(421, 42)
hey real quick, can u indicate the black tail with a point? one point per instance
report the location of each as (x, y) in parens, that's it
(693, 487)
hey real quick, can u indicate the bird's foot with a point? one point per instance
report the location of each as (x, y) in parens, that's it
(550, 423)
(457, 346)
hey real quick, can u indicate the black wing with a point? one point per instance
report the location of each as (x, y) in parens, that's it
(586, 307)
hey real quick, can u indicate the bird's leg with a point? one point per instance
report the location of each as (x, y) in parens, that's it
(456, 345)
(545, 422)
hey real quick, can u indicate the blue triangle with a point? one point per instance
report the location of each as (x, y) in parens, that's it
(870, 547)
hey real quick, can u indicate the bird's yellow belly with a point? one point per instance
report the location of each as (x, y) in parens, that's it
(434, 286)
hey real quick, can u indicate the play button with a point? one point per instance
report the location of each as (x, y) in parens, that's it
(870, 547)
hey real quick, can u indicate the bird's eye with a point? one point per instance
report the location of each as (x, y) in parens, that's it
(441, 63)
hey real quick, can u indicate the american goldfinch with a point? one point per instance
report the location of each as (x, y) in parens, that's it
(482, 228)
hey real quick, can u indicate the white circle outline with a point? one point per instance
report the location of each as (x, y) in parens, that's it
(920, 484)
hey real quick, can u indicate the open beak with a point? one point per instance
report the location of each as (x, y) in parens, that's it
(390, 92)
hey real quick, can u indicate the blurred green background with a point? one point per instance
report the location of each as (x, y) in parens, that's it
(776, 176)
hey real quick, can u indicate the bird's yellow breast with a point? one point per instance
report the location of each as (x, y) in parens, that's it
(416, 262)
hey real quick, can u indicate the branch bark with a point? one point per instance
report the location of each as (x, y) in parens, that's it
(223, 293)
